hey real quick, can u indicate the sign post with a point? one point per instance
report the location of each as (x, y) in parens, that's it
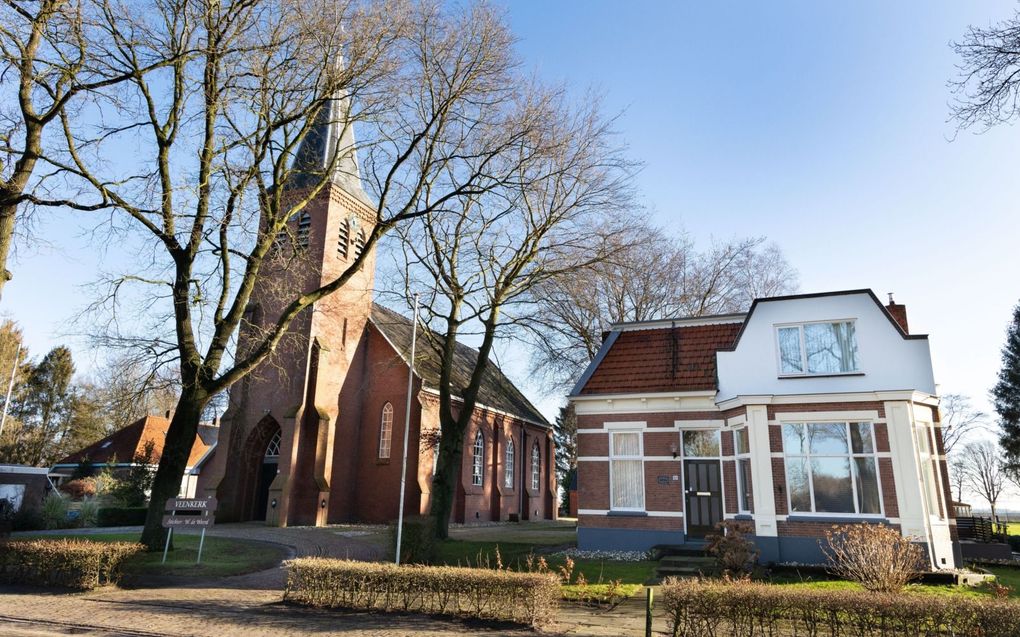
(197, 513)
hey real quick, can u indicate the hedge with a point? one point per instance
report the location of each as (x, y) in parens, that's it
(70, 563)
(696, 608)
(121, 516)
(524, 598)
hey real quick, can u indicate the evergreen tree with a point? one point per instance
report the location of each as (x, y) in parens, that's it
(565, 436)
(1006, 394)
(44, 406)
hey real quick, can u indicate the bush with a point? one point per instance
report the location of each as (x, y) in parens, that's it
(734, 553)
(696, 608)
(418, 543)
(121, 516)
(88, 514)
(54, 512)
(80, 489)
(7, 513)
(525, 598)
(71, 563)
(876, 556)
(28, 519)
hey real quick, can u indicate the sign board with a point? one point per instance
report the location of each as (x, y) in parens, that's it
(191, 504)
(178, 521)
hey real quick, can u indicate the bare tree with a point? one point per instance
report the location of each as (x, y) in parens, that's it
(984, 472)
(958, 419)
(652, 275)
(211, 198)
(48, 55)
(987, 88)
(478, 263)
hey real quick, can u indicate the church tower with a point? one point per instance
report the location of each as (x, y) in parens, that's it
(274, 457)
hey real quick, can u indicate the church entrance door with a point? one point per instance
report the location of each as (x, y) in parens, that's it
(267, 473)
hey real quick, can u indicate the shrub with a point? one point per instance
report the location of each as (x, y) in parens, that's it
(121, 516)
(734, 554)
(71, 563)
(526, 598)
(7, 513)
(54, 512)
(696, 608)
(88, 514)
(876, 556)
(417, 542)
(28, 519)
(80, 489)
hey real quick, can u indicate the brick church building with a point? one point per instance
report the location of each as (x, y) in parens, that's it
(315, 435)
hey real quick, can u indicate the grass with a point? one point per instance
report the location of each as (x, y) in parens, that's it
(1004, 575)
(1013, 528)
(220, 556)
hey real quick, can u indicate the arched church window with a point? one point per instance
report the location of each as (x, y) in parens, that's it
(386, 431)
(273, 448)
(478, 460)
(536, 468)
(344, 239)
(508, 470)
(303, 229)
(359, 243)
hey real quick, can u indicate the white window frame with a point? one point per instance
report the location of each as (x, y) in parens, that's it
(850, 455)
(737, 457)
(509, 458)
(640, 456)
(536, 467)
(803, 350)
(931, 460)
(385, 431)
(478, 460)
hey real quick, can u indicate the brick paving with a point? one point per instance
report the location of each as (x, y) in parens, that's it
(252, 604)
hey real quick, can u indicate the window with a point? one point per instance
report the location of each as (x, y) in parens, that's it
(359, 243)
(536, 468)
(508, 470)
(304, 227)
(626, 471)
(273, 448)
(831, 468)
(478, 460)
(343, 239)
(929, 469)
(742, 447)
(701, 444)
(818, 348)
(385, 430)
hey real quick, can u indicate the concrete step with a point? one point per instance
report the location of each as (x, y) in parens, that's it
(690, 549)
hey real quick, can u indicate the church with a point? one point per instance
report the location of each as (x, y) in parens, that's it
(315, 435)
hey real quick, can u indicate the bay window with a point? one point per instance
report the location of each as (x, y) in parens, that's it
(743, 453)
(831, 468)
(817, 348)
(929, 469)
(626, 471)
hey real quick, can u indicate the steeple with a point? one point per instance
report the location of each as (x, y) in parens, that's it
(331, 133)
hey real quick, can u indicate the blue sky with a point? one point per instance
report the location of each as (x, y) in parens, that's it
(821, 125)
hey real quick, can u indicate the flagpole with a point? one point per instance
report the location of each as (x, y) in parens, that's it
(407, 429)
(10, 388)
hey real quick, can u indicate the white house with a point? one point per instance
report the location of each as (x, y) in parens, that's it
(807, 411)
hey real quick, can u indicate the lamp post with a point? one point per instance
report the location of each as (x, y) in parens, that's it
(407, 429)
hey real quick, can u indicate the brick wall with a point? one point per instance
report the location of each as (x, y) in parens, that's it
(630, 522)
(800, 528)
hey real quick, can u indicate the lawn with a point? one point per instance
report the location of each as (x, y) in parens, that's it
(220, 556)
(1013, 528)
(1004, 575)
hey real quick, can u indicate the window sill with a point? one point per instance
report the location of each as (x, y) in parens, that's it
(743, 517)
(838, 518)
(628, 514)
(837, 375)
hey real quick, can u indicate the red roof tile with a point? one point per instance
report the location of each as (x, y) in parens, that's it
(662, 360)
(124, 444)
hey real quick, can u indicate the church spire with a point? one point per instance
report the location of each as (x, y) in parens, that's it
(330, 133)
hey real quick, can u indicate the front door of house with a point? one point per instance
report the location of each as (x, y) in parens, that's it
(703, 496)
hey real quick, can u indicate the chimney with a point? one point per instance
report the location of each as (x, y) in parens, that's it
(899, 312)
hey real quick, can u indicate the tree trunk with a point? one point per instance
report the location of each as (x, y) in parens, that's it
(7, 216)
(180, 437)
(444, 485)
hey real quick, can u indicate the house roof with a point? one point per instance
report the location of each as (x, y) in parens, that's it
(496, 392)
(673, 359)
(124, 444)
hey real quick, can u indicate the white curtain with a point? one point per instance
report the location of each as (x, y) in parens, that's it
(628, 472)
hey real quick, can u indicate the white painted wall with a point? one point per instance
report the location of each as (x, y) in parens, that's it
(887, 360)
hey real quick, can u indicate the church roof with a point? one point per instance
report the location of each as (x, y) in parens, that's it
(331, 132)
(497, 391)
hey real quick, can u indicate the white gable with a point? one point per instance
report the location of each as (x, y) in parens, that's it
(886, 360)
